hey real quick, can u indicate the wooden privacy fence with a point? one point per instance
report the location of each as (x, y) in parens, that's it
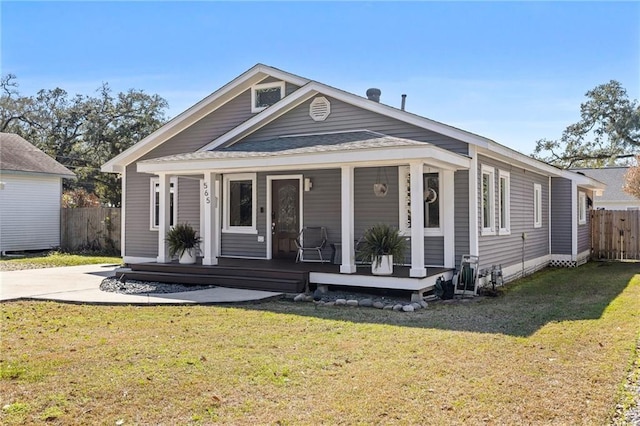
(615, 234)
(91, 229)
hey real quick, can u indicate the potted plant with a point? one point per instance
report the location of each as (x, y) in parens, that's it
(183, 241)
(380, 244)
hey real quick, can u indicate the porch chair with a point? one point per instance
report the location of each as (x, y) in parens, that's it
(311, 238)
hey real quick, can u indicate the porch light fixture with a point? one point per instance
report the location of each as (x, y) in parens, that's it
(307, 184)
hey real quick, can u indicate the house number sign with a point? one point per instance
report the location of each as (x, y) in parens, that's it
(205, 191)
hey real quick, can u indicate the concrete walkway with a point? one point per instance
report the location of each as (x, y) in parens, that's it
(81, 284)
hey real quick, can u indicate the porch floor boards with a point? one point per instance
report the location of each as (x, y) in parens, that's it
(281, 275)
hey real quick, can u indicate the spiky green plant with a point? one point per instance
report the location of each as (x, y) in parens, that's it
(181, 238)
(380, 240)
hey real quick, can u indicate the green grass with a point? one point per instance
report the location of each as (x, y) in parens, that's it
(556, 348)
(54, 259)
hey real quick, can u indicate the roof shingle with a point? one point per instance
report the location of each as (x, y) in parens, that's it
(16, 154)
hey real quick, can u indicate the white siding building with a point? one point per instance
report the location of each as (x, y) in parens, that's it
(30, 194)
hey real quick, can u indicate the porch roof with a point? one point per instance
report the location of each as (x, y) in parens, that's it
(309, 151)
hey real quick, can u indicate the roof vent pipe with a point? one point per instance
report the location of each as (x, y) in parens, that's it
(404, 101)
(373, 94)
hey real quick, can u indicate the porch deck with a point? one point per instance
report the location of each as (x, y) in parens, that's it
(280, 275)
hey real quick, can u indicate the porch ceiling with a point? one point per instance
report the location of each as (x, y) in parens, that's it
(329, 150)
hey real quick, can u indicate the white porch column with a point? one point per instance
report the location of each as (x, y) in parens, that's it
(211, 219)
(348, 265)
(164, 217)
(448, 217)
(574, 221)
(417, 220)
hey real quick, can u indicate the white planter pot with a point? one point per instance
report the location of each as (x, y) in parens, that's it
(384, 267)
(188, 257)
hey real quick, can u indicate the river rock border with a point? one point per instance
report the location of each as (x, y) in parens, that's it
(361, 302)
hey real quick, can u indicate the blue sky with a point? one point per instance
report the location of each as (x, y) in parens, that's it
(515, 72)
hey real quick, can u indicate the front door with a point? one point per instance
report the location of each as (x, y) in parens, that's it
(285, 217)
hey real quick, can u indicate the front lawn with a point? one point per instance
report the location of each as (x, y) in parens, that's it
(555, 349)
(54, 259)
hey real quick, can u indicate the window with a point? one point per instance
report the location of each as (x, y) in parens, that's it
(431, 202)
(155, 202)
(265, 95)
(488, 200)
(431, 197)
(537, 205)
(582, 208)
(504, 202)
(240, 203)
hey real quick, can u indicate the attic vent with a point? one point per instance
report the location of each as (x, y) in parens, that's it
(319, 109)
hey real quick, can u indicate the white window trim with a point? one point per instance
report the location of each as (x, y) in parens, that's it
(491, 229)
(227, 179)
(537, 205)
(504, 228)
(256, 87)
(403, 179)
(582, 208)
(153, 182)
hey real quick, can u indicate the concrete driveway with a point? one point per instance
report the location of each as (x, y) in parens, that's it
(81, 284)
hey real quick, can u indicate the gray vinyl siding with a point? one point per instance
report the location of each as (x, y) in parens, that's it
(322, 204)
(561, 215)
(461, 214)
(346, 117)
(584, 231)
(508, 250)
(189, 201)
(369, 209)
(140, 240)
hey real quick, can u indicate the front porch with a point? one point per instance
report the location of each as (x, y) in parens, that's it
(281, 275)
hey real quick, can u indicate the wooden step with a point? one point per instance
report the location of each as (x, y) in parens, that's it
(235, 281)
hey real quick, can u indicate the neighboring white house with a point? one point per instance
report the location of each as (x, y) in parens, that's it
(30, 196)
(614, 198)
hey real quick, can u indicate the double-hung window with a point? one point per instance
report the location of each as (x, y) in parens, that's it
(155, 202)
(240, 203)
(504, 202)
(582, 208)
(488, 200)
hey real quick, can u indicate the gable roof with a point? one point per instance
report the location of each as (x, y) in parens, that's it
(18, 155)
(198, 111)
(613, 177)
(307, 90)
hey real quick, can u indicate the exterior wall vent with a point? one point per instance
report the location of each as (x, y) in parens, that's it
(319, 109)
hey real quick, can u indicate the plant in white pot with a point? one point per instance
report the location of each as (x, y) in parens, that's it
(183, 241)
(380, 244)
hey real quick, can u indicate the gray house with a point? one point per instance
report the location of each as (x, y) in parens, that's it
(222, 163)
(30, 196)
(614, 198)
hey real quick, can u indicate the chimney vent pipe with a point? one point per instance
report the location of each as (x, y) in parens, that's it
(373, 94)
(404, 101)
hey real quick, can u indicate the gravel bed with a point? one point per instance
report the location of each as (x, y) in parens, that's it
(112, 285)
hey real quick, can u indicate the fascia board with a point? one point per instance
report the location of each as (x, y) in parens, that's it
(197, 112)
(263, 118)
(325, 159)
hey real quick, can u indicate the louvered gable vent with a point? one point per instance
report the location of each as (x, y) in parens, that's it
(319, 109)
